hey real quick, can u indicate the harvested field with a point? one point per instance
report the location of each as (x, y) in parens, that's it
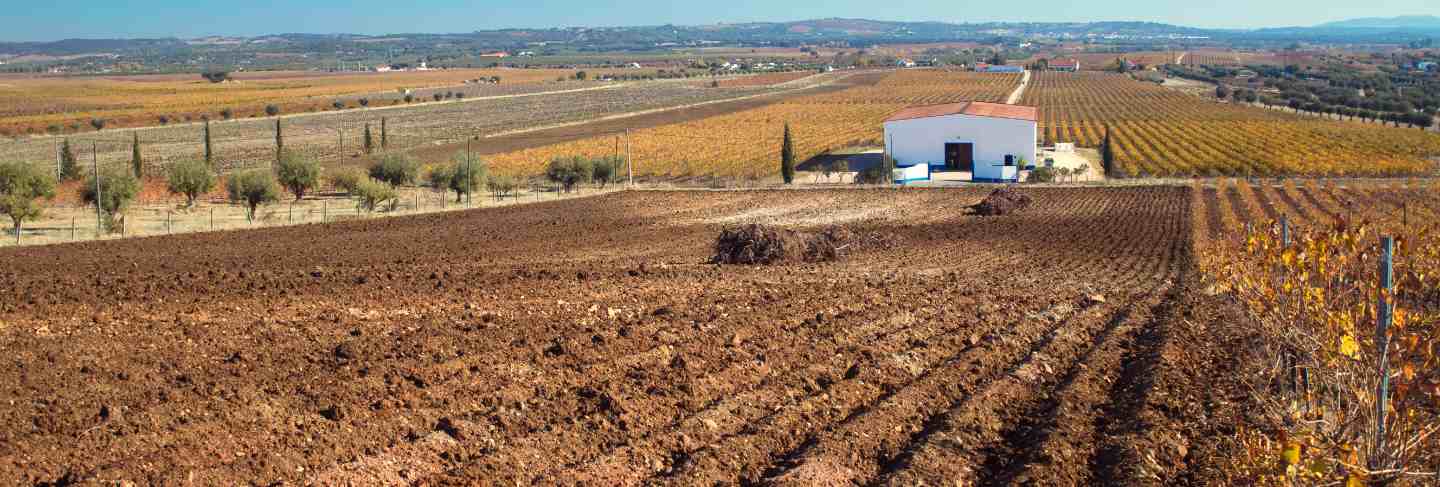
(589, 341)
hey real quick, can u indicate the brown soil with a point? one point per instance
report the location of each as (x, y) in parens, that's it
(590, 342)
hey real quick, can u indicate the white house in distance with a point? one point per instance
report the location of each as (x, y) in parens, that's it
(991, 141)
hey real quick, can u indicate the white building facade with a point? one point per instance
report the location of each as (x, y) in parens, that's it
(991, 141)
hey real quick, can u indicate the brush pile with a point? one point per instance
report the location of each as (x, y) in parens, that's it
(1002, 201)
(762, 244)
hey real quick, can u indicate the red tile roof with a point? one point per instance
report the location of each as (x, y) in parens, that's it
(974, 108)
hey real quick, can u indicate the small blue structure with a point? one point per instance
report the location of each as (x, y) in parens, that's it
(1004, 69)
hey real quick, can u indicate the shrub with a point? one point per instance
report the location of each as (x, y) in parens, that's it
(272, 110)
(297, 173)
(1042, 174)
(226, 113)
(20, 185)
(252, 188)
(371, 194)
(191, 178)
(347, 179)
(216, 76)
(395, 169)
(117, 188)
(569, 171)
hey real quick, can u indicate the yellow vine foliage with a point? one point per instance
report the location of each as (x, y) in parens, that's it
(1157, 131)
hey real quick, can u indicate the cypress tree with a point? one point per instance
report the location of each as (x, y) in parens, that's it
(136, 163)
(208, 153)
(69, 167)
(1107, 154)
(369, 142)
(279, 141)
(384, 135)
(787, 157)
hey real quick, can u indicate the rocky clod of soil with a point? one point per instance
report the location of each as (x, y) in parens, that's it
(1002, 201)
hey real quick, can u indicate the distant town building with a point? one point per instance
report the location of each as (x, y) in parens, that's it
(497, 54)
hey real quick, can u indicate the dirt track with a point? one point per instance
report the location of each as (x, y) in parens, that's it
(586, 341)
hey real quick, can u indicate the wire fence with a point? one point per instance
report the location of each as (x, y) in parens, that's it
(75, 223)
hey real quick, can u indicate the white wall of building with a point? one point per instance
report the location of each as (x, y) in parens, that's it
(922, 140)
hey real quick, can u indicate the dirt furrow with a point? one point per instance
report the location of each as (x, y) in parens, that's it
(1299, 214)
(747, 455)
(1061, 437)
(959, 441)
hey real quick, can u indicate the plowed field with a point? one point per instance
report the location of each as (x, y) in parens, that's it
(589, 342)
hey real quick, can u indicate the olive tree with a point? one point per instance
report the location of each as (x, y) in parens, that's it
(20, 186)
(468, 174)
(191, 178)
(111, 193)
(298, 174)
(371, 194)
(252, 188)
(347, 179)
(569, 171)
(502, 185)
(395, 169)
(606, 170)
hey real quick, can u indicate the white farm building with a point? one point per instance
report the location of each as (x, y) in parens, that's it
(991, 141)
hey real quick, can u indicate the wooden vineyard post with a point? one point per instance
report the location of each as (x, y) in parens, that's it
(291, 216)
(95, 158)
(629, 165)
(1285, 230)
(324, 211)
(72, 229)
(1384, 315)
(167, 222)
(212, 219)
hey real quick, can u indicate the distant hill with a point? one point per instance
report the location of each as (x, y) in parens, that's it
(1402, 22)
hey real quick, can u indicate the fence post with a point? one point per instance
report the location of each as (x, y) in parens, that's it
(212, 218)
(72, 229)
(1385, 315)
(167, 222)
(291, 216)
(324, 211)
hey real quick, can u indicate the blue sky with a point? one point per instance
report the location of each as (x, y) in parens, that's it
(51, 20)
